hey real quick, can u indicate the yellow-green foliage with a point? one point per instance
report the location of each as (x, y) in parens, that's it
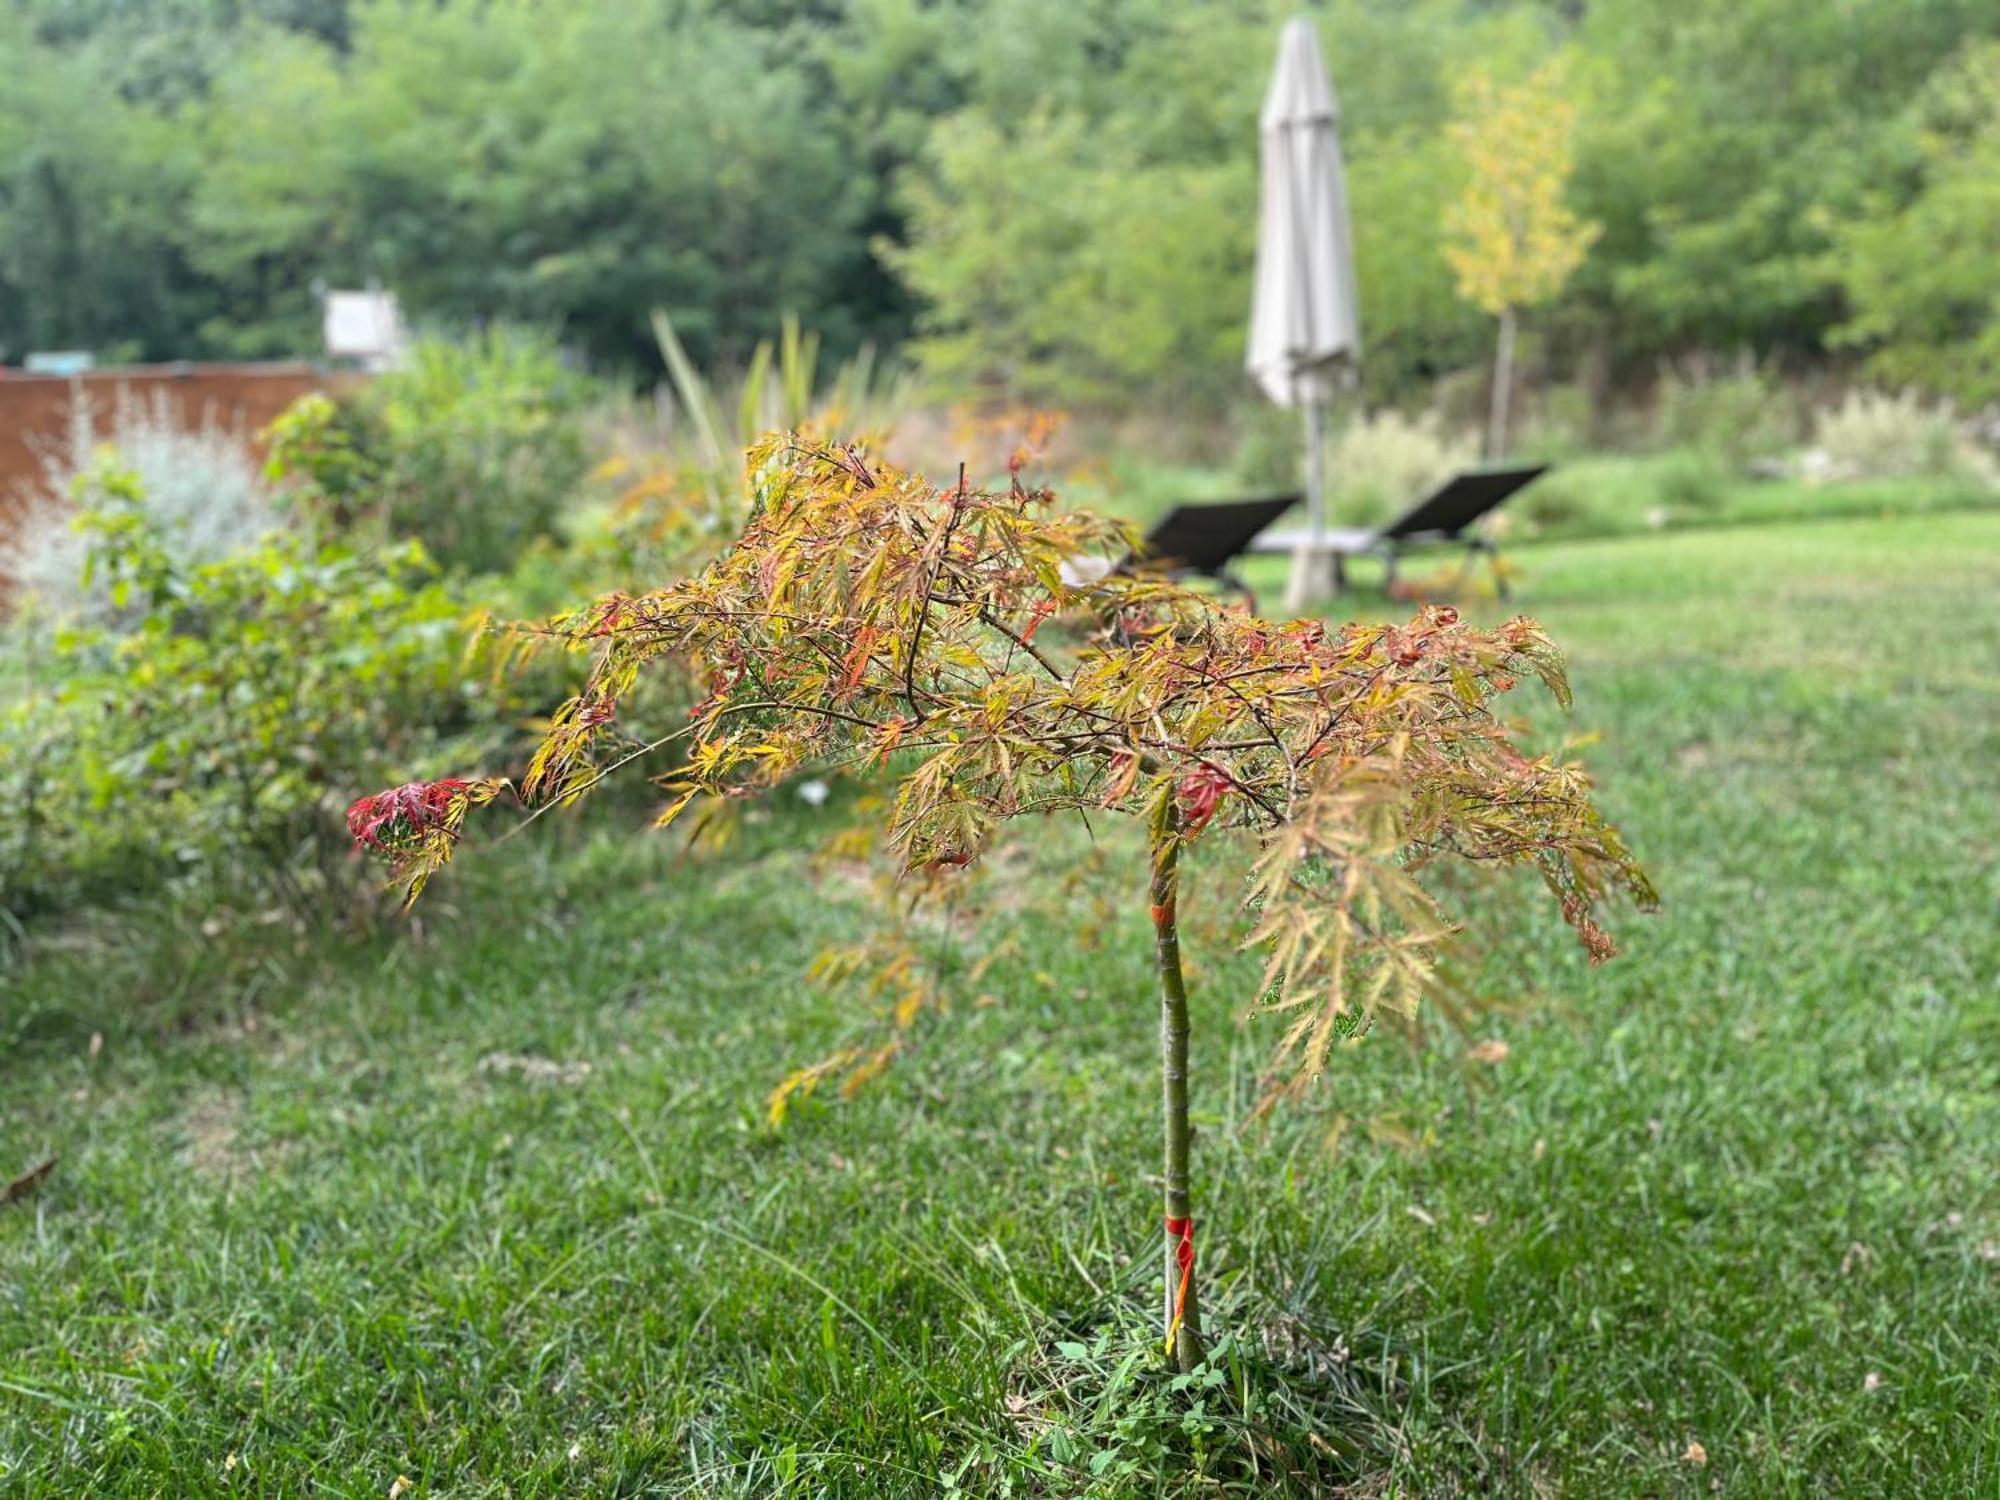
(211, 730)
(1513, 239)
(869, 619)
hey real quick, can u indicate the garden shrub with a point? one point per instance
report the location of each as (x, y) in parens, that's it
(1732, 419)
(1561, 423)
(472, 448)
(1269, 455)
(1556, 503)
(201, 488)
(1883, 435)
(1378, 466)
(1690, 482)
(211, 728)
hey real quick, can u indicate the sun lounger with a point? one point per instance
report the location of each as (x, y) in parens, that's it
(1448, 514)
(1202, 540)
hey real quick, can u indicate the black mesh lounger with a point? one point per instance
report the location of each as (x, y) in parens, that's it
(1204, 539)
(1447, 514)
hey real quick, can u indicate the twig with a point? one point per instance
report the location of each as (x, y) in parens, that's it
(27, 1182)
(924, 614)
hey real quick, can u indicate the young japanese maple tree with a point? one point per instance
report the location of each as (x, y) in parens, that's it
(868, 621)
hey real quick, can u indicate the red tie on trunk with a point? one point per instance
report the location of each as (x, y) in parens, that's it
(1181, 1230)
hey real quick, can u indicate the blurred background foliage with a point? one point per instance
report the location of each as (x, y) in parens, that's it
(639, 235)
(1070, 182)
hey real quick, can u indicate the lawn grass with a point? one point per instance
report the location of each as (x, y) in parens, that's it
(498, 1211)
(1584, 497)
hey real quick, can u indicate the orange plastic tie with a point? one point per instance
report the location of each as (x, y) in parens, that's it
(1181, 1231)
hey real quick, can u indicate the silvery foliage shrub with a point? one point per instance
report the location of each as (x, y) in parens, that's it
(1378, 466)
(1884, 435)
(207, 738)
(203, 493)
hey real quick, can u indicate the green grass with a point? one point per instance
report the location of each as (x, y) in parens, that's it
(1607, 495)
(316, 1226)
(1586, 496)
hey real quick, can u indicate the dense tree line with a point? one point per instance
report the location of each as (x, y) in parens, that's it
(1051, 196)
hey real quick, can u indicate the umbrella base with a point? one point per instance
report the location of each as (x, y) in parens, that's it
(1317, 573)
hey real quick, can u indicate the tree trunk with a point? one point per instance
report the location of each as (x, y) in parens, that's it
(1183, 1310)
(1503, 388)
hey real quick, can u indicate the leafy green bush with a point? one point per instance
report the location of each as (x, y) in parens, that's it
(472, 448)
(1617, 495)
(1733, 419)
(228, 716)
(1560, 422)
(1379, 465)
(1690, 482)
(1269, 453)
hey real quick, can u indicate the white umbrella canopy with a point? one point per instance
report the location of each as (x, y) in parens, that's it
(1305, 319)
(1305, 316)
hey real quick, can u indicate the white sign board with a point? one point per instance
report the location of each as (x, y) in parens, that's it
(367, 326)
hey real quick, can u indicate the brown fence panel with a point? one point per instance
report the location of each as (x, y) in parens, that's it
(35, 410)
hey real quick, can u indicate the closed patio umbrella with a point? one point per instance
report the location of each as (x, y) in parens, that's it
(1305, 321)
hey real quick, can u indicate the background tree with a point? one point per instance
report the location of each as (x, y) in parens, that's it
(1514, 241)
(495, 161)
(1932, 315)
(178, 175)
(867, 619)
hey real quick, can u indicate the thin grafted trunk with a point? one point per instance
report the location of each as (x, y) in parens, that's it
(1503, 389)
(1183, 1308)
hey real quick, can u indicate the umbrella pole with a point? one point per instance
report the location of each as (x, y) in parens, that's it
(1316, 473)
(1312, 572)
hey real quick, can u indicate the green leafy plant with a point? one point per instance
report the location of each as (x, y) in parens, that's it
(868, 619)
(779, 391)
(1384, 462)
(472, 447)
(1690, 482)
(1733, 418)
(212, 730)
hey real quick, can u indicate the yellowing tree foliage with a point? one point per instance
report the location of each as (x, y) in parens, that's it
(1512, 240)
(871, 623)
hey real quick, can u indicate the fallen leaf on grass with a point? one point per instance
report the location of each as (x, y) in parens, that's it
(1492, 1051)
(1696, 1454)
(534, 1069)
(27, 1182)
